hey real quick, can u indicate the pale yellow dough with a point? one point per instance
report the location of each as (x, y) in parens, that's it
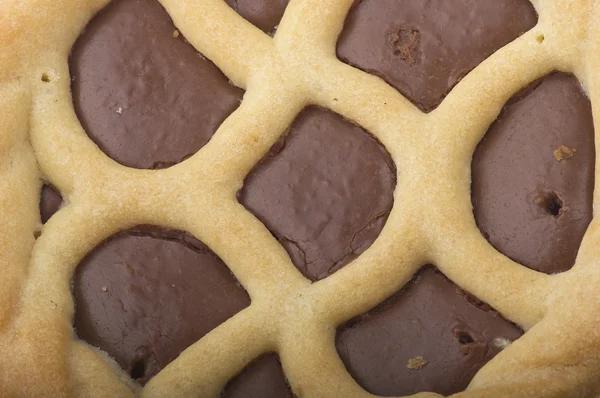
(432, 219)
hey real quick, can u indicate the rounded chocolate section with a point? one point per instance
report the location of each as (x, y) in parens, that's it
(533, 175)
(263, 378)
(50, 202)
(423, 48)
(145, 96)
(430, 336)
(146, 294)
(324, 190)
(265, 14)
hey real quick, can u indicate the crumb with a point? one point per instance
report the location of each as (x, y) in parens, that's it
(564, 153)
(175, 34)
(104, 289)
(416, 363)
(501, 342)
(172, 285)
(120, 110)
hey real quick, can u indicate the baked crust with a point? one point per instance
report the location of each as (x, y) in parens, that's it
(432, 219)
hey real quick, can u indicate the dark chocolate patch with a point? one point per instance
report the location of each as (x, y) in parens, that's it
(263, 378)
(530, 205)
(423, 48)
(426, 337)
(265, 14)
(50, 202)
(324, 190)
(146, 294)
(145, 97)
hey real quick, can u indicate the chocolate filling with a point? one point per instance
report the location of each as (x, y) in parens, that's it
(50, 202)
(423, 48)
(265, 14)
(324, 190)
(146, 98)
(146, 294)
(533, 175)
(430, 336)
(263, 378)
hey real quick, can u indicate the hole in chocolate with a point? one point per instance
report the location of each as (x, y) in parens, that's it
(138, 370)
(303, 191)
(155, 288)
(406, 42)
(45, 78)
(377, 346)
(540, 38)
(553, 204)
(155, 100)
(463, 337)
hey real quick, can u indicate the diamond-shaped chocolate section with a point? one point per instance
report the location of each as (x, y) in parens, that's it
(533, 175)
(50, 202)
(423, 48)
(430, 336)
(265, 14)
(263, 378)
(146, 294)
(142, 93)
(324, 190)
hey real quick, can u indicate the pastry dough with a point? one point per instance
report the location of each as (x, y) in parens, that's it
(431, 221)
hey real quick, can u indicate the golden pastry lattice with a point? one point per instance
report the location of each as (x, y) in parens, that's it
(432, 219)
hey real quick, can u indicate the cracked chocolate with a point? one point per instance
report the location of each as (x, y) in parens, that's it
(146, 294)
